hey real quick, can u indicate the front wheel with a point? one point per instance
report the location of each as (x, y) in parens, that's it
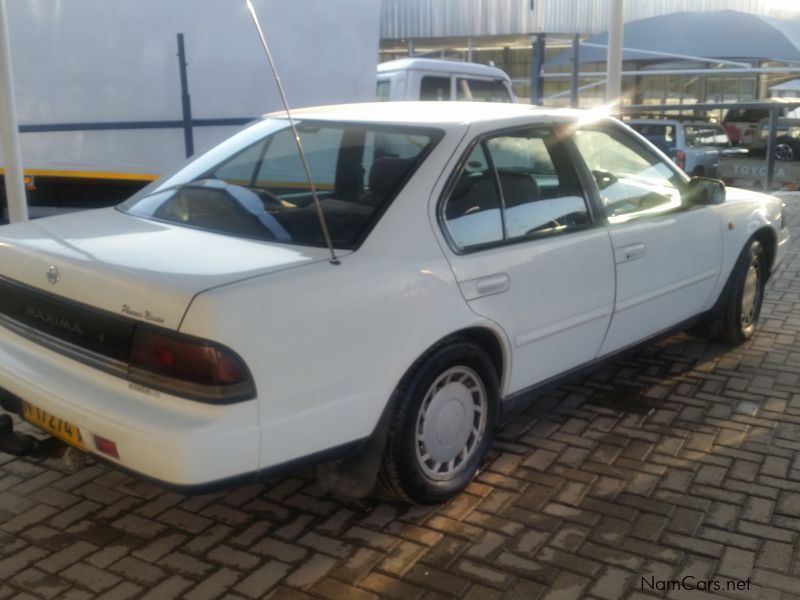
(443, 423)
(742, 304)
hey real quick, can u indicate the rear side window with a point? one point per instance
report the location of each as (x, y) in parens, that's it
(512, 187)
(481, 90)
(434, 88)
(261, 191)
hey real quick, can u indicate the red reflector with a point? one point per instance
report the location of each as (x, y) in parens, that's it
(680, 158)
(106, 446)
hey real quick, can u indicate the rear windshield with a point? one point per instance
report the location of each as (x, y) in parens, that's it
(480, 90)
(746, 115)
(254, 185)
(661, 135)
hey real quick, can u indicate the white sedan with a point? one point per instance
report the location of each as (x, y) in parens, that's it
(200, 334)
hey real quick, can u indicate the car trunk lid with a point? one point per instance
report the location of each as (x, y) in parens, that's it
(88, 278)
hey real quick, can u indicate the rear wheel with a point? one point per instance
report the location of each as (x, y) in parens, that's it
(443, 422)
(742, 304)
(787, 148)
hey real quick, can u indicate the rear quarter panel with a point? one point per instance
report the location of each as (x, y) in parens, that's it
(327, 345)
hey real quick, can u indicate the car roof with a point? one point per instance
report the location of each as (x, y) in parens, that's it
(668, 122)
(440, 65)
(429, 113)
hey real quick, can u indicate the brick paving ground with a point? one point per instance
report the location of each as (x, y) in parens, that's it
(682, 461)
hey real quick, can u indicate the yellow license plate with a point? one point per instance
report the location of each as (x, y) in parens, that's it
(59, 428)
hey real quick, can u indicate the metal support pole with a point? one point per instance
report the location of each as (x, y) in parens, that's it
(9, 135)
(576, 67)
(773, 127)
(188, 134)
(614, 65)
(537, 60)
(469, 49)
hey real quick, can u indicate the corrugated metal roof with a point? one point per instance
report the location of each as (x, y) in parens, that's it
(403, 19)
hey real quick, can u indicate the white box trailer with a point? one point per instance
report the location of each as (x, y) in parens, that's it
(98, 86)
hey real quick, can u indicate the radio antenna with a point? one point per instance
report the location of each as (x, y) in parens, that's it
(325, 233)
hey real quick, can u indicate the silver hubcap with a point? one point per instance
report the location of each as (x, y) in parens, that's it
(451, 423)
(750, 297)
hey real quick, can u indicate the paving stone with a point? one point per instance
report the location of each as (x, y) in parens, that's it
(215, 585)
(358, 566)
(447, 583)
(138, 571)
(311, 571)
(125, 590)
(261, 580)
(336, 590)
(90, 577)
(567, 586)
(737, 563)
(390, 587)
(613, 583)
(63, 558)
(40, 583)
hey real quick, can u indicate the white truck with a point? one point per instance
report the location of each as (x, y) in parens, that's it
(432, 79)
(98, 85)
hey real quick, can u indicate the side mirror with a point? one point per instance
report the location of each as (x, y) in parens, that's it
(702, 191)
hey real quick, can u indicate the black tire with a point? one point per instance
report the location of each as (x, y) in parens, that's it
(741, 305)
(787, 148)
(405, 472)
(699, 171)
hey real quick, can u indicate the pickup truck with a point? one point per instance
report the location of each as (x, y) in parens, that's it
(747, 168)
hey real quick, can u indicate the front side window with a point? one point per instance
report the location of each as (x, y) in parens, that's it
(514, 186)
(633, 181)
(255, 186)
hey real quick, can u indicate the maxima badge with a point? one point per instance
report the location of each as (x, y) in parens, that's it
(53, 275)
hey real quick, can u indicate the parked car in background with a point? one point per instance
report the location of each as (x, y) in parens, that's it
(695, 146)
(741, 124)
(787, 139)
(439, 79)
(201, 334)
(747, 167)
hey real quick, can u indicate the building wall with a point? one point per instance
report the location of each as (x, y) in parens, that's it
(403, 19)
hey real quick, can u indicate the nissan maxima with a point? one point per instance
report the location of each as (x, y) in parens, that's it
(232, 321)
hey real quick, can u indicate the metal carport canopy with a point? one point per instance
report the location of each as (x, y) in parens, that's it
(724, 34)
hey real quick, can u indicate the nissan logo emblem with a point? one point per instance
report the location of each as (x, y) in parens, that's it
(53, 275)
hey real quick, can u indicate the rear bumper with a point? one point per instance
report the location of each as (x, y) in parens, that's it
(172, 440)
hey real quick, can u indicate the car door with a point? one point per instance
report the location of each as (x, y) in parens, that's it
(667, 251)
(527, 253)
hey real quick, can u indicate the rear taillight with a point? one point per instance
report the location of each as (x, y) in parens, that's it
(188, 366)
(680, 158)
